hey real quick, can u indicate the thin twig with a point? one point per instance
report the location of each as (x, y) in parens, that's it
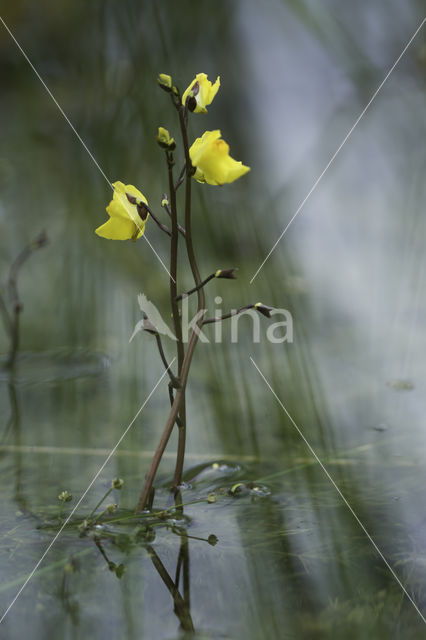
(233, 313)
(162, 226)
(12, 284)
(181, 178)
(197, 287)
(169, 213)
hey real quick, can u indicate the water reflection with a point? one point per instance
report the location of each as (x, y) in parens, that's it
(181, 601)
(12, 433)
(177, 581)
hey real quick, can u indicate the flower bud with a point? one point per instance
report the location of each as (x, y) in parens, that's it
(263, 309)
(226, 273)
(117, 483)
(110, 508)
(165, 140)
(165, 82)
(65, 496)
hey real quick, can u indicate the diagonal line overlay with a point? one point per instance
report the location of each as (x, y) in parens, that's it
(111, 453)
(339, 148)
(86, 148)
(394, 575)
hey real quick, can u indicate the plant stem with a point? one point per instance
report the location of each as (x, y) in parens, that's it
(178, 406)
(99, 503)
(168, 428)
(173, 379)
(169, 213)
(181, 416)
(195, 272)
(194, 289)
(228, 315)
(181, 177)
(172, 399)
(162, 226)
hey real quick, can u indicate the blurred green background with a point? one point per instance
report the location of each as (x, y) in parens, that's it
(351, 270)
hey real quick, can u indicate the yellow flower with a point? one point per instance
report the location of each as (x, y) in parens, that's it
(210, 156)
(201, 93)
(127, 214)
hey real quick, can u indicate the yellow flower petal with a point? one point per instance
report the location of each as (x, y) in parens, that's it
(119, 229)
(210, 156)
(201, 93)
(124, 222)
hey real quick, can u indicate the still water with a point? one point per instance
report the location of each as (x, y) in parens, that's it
(283, 555)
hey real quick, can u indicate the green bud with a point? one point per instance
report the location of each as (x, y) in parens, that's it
(110, 508)
(65, 496)
(117, 483)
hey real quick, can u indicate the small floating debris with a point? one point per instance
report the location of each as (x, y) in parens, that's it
(240, 489)
(400, 385)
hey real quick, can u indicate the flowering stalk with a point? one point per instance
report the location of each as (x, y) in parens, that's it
(178, 408)
(208, 161)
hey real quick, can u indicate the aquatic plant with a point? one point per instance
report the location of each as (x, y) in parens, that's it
(207, 160)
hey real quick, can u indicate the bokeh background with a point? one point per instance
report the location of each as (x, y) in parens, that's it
(292, 563)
